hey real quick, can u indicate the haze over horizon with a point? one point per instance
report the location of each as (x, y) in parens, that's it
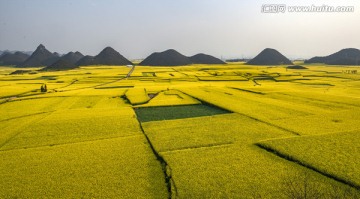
(137, 28)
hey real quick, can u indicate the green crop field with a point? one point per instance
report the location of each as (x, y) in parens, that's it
(198, 131)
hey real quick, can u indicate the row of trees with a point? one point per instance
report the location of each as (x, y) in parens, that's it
(350, 71)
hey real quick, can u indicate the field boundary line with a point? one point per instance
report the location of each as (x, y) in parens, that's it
(22, 116)
(320, 100)
(69, 143)
(246, 90)
(98, 85)
(242, 114)
(169, 181)
(18, 131)
(16, 95)
(308, 166)
(215, 145)
(273, 125)
(308, 135)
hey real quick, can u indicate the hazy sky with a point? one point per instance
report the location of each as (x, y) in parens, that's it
(136, 28)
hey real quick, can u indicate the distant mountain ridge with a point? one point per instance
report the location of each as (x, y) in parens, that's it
(40, 57)
(13, 58)
(54, 61)
(172, 57)
(347, 56)
(108, 56)
(66, 62)
(205, 59)
(72, 57)
(166, 58)
(269, 56)
(14, 51)
(85, 61)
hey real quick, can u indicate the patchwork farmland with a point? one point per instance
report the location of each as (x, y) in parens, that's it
(197, 131)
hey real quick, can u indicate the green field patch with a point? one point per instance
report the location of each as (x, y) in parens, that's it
(176, 112)
(162, 80)
(336, 155)
(48, 77)
(263, 78)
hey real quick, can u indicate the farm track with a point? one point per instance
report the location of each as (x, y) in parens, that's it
(308, 166)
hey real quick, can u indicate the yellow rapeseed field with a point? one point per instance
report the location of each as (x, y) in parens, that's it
(219, 131)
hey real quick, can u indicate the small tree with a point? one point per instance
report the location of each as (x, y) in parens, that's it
(301, 186)
(43, 88)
